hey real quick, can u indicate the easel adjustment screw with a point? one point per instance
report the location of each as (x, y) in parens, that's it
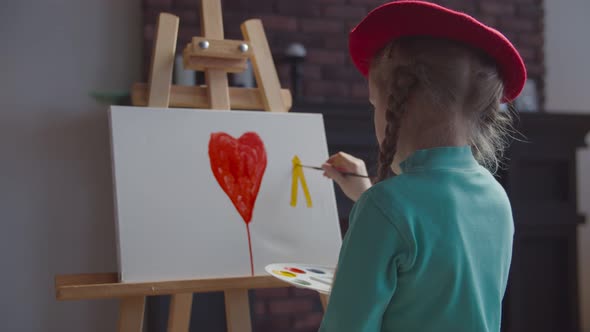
(243, 48)
(204, 44)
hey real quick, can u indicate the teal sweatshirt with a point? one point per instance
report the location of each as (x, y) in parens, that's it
(428, 250)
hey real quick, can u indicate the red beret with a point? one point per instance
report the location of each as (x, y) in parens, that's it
(418, 18)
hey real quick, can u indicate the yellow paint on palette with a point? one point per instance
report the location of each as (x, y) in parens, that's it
(284, 273)
(298, 176)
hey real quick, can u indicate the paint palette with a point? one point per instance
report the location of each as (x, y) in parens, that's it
(317, 278)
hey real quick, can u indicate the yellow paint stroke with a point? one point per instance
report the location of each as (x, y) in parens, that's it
(296, 177)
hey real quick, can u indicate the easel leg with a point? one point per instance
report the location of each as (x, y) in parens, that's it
(218, 89)
(216, 79)
(131, 314)
(237, 311)
(180, 312)
(264, 69)
(163, 60)
(324, 299)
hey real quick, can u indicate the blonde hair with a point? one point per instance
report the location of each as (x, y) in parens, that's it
(445, 74)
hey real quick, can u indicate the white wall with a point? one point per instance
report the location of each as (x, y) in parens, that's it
(567, 54)
(55, 181)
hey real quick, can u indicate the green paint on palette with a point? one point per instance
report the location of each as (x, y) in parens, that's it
(302, 282)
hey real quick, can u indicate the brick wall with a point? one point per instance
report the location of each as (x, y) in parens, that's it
(322, 26)
(286, 309)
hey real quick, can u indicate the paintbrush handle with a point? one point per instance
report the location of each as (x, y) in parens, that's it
(343, 173)
(312, 167)
(354, 174)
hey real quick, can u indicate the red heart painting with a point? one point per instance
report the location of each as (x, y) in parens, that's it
(238, 166)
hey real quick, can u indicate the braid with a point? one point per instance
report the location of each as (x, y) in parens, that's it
(404, 82)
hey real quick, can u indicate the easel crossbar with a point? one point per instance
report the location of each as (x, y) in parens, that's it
(104, 286)
(196, 97)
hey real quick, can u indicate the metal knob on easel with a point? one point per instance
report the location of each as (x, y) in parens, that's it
(204, 44)
(243, 48)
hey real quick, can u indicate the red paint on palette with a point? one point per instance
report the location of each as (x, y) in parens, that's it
(238, 166)
(295, 270)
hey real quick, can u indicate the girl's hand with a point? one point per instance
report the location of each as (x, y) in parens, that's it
(352, 186)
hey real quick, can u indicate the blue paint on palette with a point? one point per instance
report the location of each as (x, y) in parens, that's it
(316, 271)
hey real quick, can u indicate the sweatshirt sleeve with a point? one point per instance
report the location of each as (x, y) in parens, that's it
(367, 271)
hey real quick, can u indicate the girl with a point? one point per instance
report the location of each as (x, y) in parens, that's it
(428, 249)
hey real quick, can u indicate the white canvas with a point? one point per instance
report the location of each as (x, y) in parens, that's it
(174, 220)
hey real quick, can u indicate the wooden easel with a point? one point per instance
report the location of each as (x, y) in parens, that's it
(216, 56)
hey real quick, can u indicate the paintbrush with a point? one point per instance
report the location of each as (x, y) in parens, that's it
(343, 173)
